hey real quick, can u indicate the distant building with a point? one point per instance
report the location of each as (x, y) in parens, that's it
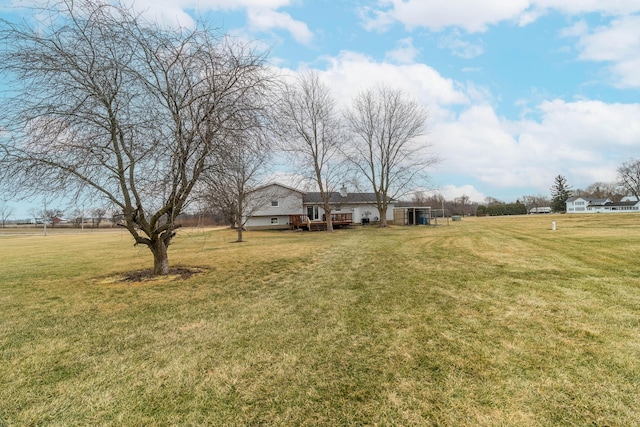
(277, 206)
(594, 205)
(540, 210)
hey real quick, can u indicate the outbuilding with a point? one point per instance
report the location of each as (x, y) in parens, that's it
(412, 215)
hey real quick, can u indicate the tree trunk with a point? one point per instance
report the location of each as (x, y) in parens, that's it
(240, 235)
(327, 213)
(383, 217)
(160, 258)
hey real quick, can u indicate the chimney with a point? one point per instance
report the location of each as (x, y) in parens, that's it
(343, 191)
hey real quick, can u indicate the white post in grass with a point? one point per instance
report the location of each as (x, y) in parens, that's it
(553, 225)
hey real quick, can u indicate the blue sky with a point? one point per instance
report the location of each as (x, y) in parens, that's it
(519, 91)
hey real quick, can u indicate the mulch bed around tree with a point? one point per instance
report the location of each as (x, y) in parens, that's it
(179, 273)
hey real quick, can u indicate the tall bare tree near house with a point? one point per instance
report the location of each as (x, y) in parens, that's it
(386, 148)
(312, 131)
(110, 106)
(605, 190)
(242, 162)
(629, 177)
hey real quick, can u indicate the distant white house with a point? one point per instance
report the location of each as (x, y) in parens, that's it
(276, 206)
(594, 205)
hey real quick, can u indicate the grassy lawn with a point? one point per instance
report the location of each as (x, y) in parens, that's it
(486, 322)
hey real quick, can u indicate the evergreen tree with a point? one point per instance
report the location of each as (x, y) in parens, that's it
(560, 192)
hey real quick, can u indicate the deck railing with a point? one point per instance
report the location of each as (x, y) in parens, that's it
(303, 221)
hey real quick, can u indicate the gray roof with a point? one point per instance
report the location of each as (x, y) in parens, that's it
(598, 202)
(337, 198)
(614, 204)
(591, 200)
(277, 184)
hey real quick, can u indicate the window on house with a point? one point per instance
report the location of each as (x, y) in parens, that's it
(274, 203)
(274, 221)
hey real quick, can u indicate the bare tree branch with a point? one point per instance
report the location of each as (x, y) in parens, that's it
(313, 133)
(111, 105)
(629, 177)
(386, 126)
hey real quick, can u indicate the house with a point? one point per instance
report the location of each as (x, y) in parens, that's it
(594, 205)
(276, 206)
(361, 206)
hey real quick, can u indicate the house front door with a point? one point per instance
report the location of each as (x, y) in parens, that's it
(310, 212)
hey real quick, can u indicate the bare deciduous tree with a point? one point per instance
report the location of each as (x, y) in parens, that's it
(5, 213)
(629, 177)
(385, 150)
(114, 106)
(313, 134)
(50, 215)
(242, 164)
(464, 200)
(604, 190)
(492, 201)
(98, 215)
(535, 201)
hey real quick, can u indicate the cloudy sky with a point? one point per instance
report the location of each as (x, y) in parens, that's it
(518, 91)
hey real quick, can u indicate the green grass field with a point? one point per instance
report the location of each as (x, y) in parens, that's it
(486, 322)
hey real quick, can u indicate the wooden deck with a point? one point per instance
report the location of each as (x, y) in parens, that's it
(304, 223)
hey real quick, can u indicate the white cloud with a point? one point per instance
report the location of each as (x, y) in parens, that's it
(266, 20)
(593, 123)
(471, 15)
(451, 192)
(476, 15)
(375, 20)
(617, 44)
(576, 7)
(578, 29)
(586, 140)
(404, 53)
(460, 47)
(262, 15)
(351, 72)
(203, 5)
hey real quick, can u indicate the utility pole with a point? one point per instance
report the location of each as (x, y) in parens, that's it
(44, 217)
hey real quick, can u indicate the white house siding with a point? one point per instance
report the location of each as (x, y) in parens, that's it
(577, 205)
(268, 216)
(289, 201)
(357, 211)
(277, 222)
(292, 202)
